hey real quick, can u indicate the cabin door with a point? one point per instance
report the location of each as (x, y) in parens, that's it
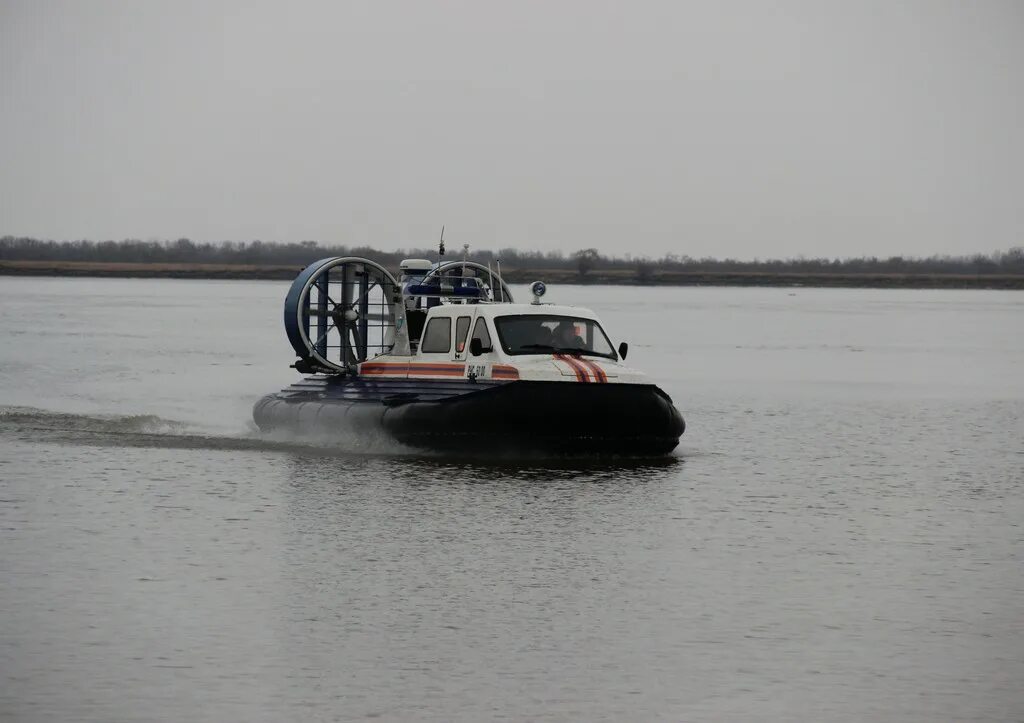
(460, 342)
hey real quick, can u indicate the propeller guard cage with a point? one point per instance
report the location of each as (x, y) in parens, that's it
(341, 311)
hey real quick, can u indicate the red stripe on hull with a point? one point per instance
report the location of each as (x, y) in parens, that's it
(581, 371)
(419, 370)
(455, 367)
(597, 371)
(380, 369)
(503, 371)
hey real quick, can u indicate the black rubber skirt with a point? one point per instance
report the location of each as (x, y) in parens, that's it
(522, 416)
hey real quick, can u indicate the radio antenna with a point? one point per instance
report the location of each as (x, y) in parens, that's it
(440, 245)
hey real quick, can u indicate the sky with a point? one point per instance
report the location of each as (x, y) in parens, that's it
(746, 129)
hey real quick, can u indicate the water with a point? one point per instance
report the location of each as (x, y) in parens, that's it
(838, 536)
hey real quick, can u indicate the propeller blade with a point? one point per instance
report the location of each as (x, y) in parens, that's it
(368, 290)
(357, 338)
(324, 335)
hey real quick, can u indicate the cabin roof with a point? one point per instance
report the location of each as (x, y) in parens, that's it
(492, 310)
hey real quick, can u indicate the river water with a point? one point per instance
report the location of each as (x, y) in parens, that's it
(838, 537)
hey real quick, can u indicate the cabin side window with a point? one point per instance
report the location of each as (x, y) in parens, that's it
(461, 330)
(438, 336)
(480, 332)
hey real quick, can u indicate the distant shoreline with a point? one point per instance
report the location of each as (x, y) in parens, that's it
(625, 277)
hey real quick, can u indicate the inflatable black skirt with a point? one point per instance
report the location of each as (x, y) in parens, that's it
(479, 416)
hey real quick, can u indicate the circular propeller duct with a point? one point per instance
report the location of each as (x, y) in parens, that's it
(341, 311)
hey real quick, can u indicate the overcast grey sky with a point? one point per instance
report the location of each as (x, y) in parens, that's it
(704, 128)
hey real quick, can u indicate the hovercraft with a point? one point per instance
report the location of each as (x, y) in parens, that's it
(443, 358)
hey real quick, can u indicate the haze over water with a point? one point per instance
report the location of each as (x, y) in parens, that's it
(838, 536)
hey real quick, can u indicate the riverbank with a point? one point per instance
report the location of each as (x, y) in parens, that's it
(653, 277)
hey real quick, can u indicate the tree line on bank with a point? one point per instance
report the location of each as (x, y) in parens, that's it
(583, 261)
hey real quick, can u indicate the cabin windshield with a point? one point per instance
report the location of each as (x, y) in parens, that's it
(537, 334)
